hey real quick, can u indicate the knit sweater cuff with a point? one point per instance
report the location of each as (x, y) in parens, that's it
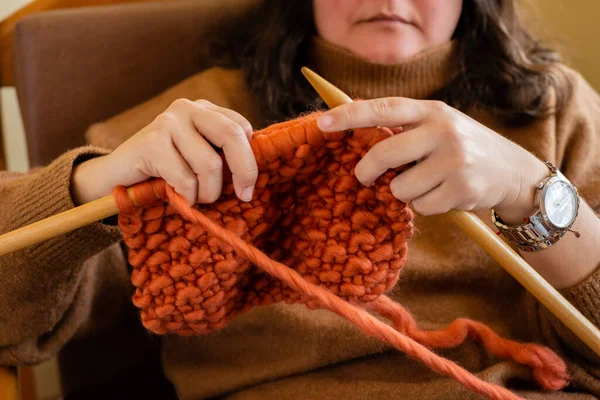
(585, 296)
(48, 193)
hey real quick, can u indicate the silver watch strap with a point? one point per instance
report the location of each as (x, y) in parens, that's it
(531, 231)
(543, 244)
(529, 236)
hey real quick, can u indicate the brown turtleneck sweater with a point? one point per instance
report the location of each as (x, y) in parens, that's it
(73, 292)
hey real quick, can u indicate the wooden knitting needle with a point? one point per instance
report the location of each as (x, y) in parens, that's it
(58, 224)
(493, 245)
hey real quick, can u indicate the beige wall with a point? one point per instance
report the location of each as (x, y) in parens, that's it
(573, 27)
(9, 6)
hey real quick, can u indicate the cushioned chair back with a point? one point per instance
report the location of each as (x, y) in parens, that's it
(76, 67)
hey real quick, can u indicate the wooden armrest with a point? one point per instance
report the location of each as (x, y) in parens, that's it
(8, 384)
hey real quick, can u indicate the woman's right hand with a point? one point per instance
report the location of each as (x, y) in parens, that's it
(175, 147)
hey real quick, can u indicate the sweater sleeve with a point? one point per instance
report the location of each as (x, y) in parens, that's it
(42, 299)
(578, 157)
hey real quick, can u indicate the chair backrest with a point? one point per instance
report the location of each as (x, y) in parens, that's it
(80, 66)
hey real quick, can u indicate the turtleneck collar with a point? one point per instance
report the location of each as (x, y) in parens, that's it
(417, 77)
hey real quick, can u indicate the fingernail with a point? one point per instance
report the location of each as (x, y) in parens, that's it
(359, 177)
(246, 194)
(324, 122)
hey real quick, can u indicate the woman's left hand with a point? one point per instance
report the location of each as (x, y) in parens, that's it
(461, 164)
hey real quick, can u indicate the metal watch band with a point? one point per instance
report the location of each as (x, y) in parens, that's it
(532, 231)
(544, 244)
(529, 236)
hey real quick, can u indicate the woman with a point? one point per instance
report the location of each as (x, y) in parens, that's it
(421, 62)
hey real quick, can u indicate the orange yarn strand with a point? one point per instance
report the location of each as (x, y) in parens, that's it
(324, 298)
(548, 369)
(311, 234)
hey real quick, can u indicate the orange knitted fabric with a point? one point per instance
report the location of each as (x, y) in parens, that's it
(311, 234)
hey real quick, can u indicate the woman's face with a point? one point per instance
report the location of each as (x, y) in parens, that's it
(386, 31)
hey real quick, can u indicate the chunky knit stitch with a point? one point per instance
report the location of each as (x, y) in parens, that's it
(311, 234)
(306, 213)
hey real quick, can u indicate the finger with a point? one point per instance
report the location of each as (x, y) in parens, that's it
(440, 200)
(394, 152)
(418, 180)
(225, 133)
(172, 167)
(389, 111)
(204, 161)
(233, 115)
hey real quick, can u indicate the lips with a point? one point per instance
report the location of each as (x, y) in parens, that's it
(386, 18)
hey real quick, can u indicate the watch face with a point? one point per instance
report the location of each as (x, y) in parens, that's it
(560, 203)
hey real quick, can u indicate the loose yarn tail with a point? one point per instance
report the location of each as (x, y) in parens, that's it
(359, 317)
(548, 369)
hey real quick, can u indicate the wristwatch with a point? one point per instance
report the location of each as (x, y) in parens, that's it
(557, 204)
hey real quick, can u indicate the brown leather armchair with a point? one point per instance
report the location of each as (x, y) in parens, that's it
(78, 66)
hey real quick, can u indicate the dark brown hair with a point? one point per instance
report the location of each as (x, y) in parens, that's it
(503, 69)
